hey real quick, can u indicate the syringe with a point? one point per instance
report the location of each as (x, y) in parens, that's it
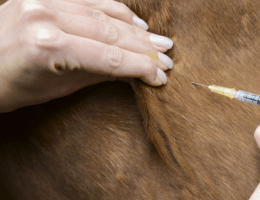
(232, 93)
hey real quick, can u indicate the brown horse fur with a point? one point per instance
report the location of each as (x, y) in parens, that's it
(178, 141)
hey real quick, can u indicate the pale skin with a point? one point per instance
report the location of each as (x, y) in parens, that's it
(256, 194)
(52, 48)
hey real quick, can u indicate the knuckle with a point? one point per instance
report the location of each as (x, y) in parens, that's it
(114, 57)
(32, 10)
(111, 33)
(45, 38)
(99, 15)
(41, 45)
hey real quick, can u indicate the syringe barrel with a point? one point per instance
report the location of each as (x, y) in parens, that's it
(247, 97)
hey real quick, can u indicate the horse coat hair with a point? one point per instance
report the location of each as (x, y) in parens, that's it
(177, 141)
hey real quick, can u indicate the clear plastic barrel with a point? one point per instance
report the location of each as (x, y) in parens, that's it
(247, 97)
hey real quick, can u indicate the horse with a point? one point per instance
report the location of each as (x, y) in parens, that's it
(178, 141)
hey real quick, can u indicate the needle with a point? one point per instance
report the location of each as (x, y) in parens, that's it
(232, 93)
(198, 84)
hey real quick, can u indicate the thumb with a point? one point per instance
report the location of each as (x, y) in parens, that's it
(257, 136)
(256, 194)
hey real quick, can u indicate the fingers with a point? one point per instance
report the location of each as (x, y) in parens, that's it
(107, 33)
(97, 47)
(98, 58)
(88, 12)
(257, 136)
(114, 9)
(256, 194)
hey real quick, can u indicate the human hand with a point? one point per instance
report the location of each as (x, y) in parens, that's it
(51, 48)
(256, 194)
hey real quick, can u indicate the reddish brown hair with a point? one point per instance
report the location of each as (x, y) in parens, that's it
(178, 141)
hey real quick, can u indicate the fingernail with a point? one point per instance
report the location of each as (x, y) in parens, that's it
(140, 23)
(161, 41)
(161, 76)
(165, 60)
